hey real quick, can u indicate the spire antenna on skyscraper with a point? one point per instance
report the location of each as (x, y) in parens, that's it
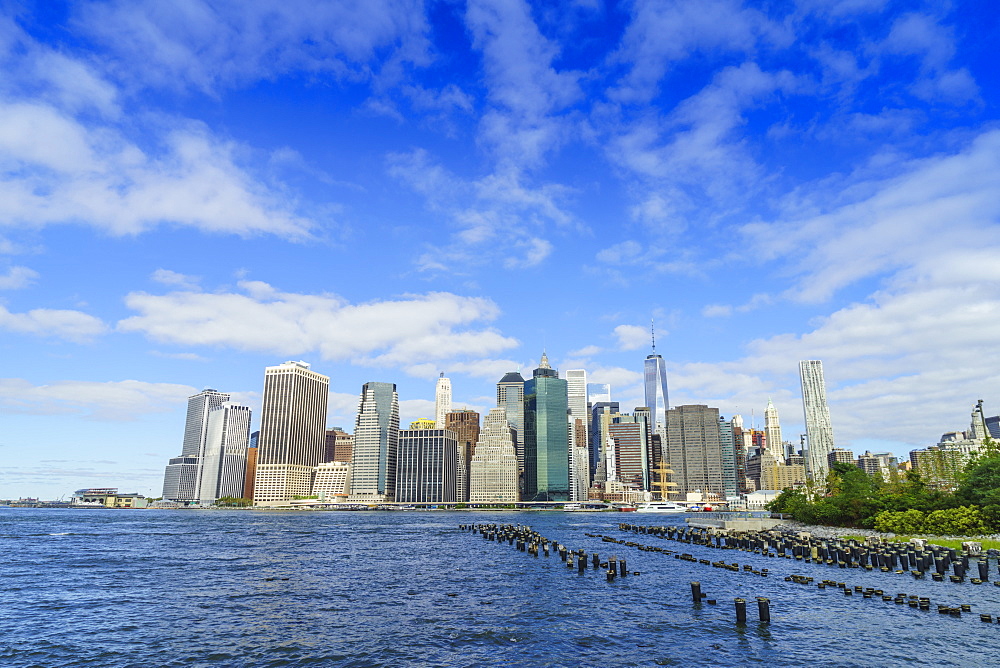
(652, 333)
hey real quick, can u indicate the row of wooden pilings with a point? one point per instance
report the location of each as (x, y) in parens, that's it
(524, 539)
(886, 557)
(795, 548)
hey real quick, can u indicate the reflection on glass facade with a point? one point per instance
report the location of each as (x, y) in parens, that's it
(655, 381)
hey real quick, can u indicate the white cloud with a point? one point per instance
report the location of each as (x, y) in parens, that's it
(631, 337)
(717, 311)
(202, 45)
(920, 35)
(439, 325)
(118, 401)
(17, 278)
(586, 351)
(662, 33)
(943, 202)
(497, 218)
(72, 173)
(618, 377)
(175, 279)
(59, 323)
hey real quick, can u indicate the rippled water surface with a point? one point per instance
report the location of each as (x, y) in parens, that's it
(216, 588)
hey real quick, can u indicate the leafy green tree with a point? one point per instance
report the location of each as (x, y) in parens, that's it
(961, 521)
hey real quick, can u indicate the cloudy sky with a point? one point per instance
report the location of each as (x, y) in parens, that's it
(191, 191)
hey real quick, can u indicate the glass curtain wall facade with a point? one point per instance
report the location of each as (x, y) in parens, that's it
(376, 434)
(546, 436)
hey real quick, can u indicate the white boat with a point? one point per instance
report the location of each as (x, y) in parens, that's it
(661, 507)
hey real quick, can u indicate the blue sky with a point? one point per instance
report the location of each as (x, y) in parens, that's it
(192, 191)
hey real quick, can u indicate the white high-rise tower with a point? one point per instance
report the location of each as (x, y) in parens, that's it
(224, 457)
(819, 431)
(183, 473)
(442, 401)
(655, 383)
(772, 432)
(579, 434)
(292, 432)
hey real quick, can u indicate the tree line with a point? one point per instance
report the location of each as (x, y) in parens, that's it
(904, 504)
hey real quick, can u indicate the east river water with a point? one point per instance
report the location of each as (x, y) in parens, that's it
(216, 588)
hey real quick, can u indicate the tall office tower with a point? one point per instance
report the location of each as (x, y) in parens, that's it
(196, 424)
(629, 437)
(465, 424)
(576, 397)
(993, 426)
(425, 466)
(817, 417)
(740, 449)
(693, 449)
(493, 471)
(546, 435)
(728, 445)
(598, 392)
(510, 397)
(978, 429)
(655, 383)
(338, 445)
(250, 478)
(442, 400)
(579, 474)
(224, 455)
(772, 433)
(376, 432)
(180, 479)
(292, 432)
(599, 438)
(643, 415)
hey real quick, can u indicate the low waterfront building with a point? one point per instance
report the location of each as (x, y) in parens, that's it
(107, 497)
(332, 481)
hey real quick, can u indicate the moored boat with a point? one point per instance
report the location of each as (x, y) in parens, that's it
(661, 507)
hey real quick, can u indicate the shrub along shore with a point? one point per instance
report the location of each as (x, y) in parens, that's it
(854, 503)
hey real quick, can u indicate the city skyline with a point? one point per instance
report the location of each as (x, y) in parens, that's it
(414, 189)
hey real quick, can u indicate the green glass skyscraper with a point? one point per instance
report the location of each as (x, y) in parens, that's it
(546, 436)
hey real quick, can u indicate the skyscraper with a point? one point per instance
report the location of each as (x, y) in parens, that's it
(727, 444)
(819, 431)
(224, 455)
(292, 432)
(196, 424)
(772, 433)
(180, 479)
(425, 466)
(442, 401)
(655, 384)
(493, 472)
(376, 433)
(338, 445)
(510, 397)
(576, 389)
(599, 422)
(465, 424)
(546, 435)
(693, 451)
